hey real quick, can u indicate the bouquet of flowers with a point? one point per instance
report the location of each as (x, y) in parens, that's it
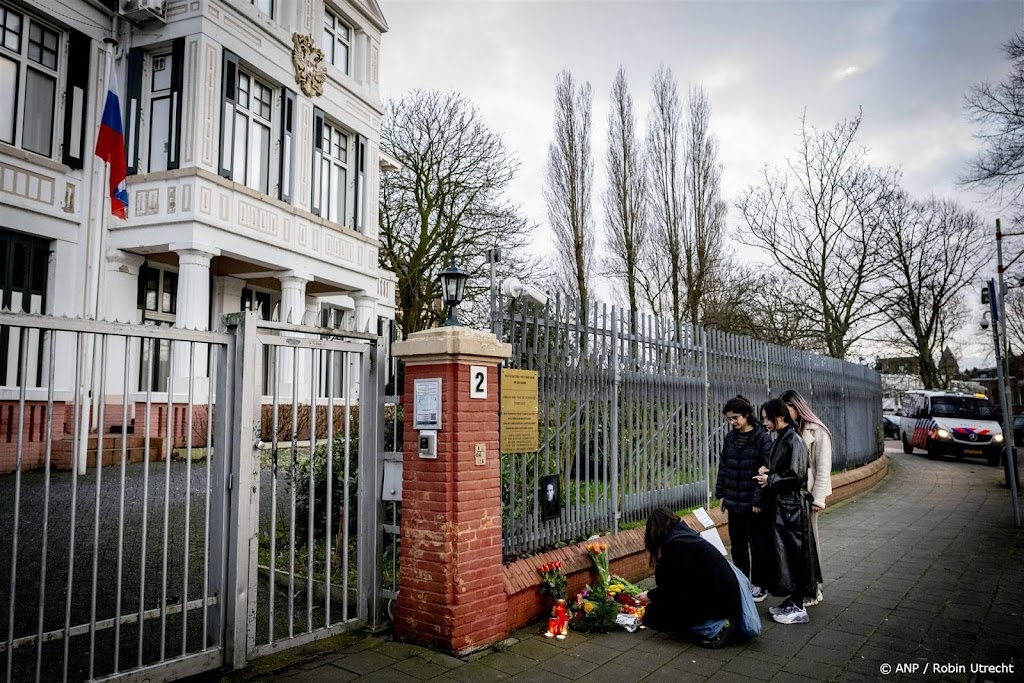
(594, 612)
(553, 580)
(599, 555)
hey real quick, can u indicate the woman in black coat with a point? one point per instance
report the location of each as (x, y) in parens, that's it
(794, 571)
(744, 452)
(697, 592)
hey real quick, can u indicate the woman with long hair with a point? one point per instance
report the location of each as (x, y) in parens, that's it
(818, 440)
(794, 570)
(698, 592)
(745, 450)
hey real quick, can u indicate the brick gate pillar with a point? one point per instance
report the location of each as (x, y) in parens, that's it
(451, 590)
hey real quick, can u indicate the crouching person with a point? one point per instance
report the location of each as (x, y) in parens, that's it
(699, 593)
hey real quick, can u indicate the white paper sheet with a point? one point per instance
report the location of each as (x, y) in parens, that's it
(704, 518)
(712, 537)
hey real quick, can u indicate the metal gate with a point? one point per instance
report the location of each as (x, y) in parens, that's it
(173, 501)
(109, 570)
(306, 490)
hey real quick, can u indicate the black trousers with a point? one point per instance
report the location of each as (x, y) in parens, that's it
(742, 531)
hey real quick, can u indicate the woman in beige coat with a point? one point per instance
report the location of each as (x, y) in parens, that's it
(818, 440)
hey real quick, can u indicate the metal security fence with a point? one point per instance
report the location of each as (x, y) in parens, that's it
(630, 412)
(174, 501)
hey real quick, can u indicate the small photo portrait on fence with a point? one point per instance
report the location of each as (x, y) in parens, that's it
(550, 497)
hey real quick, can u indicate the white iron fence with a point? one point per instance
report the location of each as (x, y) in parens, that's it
(157, 534)
(630, 413)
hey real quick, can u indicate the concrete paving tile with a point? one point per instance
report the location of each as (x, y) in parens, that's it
(506, 662)
(667, 675)
(645, 661)
(671, 646)
(476, 673)
(789, 677)
(441, 659)
(758, 669)
(536, 675)
(819, 671)
(730, 677)
(695, 663)
(614, 673)
(387, 675)
(593, 653)
(419, 668)
(535, 649)
(825, 655)
(620, 640)
(399, 650)
(326, 674)
(364, 662)
(568, 666)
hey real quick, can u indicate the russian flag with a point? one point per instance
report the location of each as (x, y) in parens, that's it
(110, 147)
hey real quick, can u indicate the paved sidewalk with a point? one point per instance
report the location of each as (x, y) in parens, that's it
(924, 569)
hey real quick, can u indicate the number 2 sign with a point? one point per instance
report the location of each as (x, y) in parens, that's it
(478, 381)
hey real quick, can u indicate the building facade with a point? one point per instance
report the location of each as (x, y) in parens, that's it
(252, 136)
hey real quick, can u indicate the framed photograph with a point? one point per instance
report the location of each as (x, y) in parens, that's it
(550, 497)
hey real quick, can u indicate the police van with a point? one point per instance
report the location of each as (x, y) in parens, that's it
(950, 423)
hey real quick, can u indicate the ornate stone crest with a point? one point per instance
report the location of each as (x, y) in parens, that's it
(310, 71)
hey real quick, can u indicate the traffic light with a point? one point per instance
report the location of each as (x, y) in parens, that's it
(984, 295)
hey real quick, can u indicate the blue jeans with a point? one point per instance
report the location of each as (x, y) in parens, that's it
(709, 629)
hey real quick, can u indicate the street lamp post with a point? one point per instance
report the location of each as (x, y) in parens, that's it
(453, 288)
(996, 295)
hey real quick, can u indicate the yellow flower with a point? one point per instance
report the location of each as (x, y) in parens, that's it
(588, 606)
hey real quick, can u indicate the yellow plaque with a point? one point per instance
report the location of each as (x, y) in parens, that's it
(519, 399)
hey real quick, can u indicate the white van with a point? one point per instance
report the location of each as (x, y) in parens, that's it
(950, 423)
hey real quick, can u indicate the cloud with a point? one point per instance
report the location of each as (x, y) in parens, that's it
(844, 72)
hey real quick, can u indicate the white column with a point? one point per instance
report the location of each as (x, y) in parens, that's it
(312, 312)
(293, 308)
(227, 298)
(64, 287)
(193, 313)
(366, 313)
(120, 303)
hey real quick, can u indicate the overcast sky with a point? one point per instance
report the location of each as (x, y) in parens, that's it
(907, 64)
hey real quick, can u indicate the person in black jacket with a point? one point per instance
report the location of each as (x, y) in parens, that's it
(795, 570)
(697, 591)
(744, 452)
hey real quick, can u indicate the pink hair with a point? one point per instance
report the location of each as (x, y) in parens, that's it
(803, 410)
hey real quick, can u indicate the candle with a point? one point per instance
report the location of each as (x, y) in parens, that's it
(552, 627)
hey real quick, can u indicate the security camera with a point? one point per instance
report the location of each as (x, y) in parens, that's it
(513, 288)
(984, 322)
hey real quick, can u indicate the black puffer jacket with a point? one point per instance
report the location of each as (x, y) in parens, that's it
(737, 467)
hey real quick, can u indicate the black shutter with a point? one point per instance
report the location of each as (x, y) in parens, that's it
(358, 177)
(177, 86)
(316, 206)
(229, 83)
(75, 98)
(286, 175)
(133, 108)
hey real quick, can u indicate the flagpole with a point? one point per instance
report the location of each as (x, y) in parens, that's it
(93, 293)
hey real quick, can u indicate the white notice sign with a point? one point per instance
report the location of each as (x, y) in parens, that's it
(478, 381)
(426, 401)
(704, 518)
(712, 537)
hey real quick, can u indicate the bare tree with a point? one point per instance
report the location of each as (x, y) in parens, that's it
(446, 202)
(662, 275)
(705, 210)
(819, 218)
(568, 182)
(932, 249)
(757, 302)
(625, 200)
(998, 112)
(1013, 302)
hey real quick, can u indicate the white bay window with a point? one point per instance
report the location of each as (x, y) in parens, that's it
(330, 170)
(246, 127)
(28, 78)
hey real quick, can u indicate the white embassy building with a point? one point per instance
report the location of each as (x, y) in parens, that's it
(252, 136)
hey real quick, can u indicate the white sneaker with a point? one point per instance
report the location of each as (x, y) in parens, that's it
(795, 615)
(758, 593)
(782, 607)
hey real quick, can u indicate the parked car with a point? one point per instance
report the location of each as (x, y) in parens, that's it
(891, 425)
